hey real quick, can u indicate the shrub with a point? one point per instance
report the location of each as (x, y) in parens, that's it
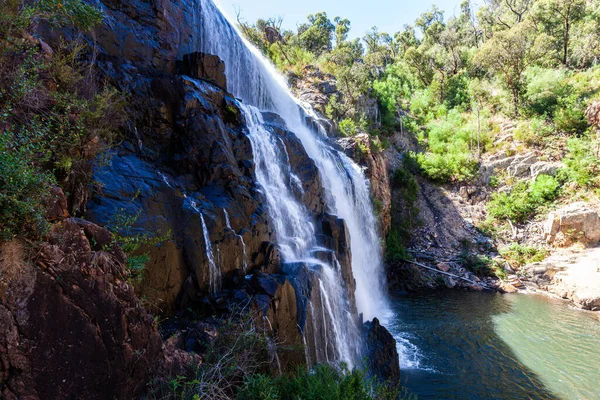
(545, 87)
(582, 165)
(395, 249)
(347, 127)
(518, 255)
(22, 185)
(524, 199)
(543, 189)
(456, 94)
(479, 264)
(404, 212)
(570, 117)
(74, 13)
(239, 350)
(445, 168)
(532, 131)
(323, 382)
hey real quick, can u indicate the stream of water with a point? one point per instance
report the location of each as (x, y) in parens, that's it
(459, 345)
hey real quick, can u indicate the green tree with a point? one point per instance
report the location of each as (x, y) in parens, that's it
(558, 19)
(342, 27)
(509, 53)
(316, 35)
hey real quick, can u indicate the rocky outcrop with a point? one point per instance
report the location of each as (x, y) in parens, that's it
(577, 222)
(70, 324)
(314, 88)
(206, 66)
(382, 354)
(572, 274)
(519, 166)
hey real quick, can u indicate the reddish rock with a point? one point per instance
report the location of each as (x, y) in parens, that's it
(70, 327)
(56, 204)
(443, 266)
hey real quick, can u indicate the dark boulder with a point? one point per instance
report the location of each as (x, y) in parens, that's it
(382, 355)
(200, 65)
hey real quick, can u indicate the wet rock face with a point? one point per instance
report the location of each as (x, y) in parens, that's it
(150, 34)
(188, 154)
(337, 238)
(382, 354)
(195, 163)
(69, 324)
(200, 65)
(304, 168)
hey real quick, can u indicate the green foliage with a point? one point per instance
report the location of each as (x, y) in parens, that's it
(453, 167)
(323, 382)
(524, 199)
(393, 92)
(347, 127)
(259, 387)
(22, 184)
(570, 117)
(61, 13)
(50, 135)
(395, 249)
(582, 164)
(456, 94)
(477, 264)
(404, 212)
(316, 35)
(545, 88)
(533, 131)
(518, 255)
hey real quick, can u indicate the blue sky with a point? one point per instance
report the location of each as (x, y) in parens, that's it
(388, 15)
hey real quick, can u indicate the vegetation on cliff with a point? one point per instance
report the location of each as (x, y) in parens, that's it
(56, 116)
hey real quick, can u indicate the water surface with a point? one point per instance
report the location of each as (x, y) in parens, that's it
(459, 345)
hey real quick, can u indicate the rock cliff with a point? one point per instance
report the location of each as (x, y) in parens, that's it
(184, 171)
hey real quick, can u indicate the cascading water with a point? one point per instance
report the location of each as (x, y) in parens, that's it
(296, 234)
(245, 258)
(253, 79)
(213, 270)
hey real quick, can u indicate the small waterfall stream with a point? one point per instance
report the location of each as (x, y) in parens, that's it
(213, 270)
(228, 224)
(254, 80)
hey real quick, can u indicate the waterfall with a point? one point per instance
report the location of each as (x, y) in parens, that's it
(255, 81)
(296, 233)
(214, 271)
(228, 224)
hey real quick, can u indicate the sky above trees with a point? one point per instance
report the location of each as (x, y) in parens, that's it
(388, 15)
